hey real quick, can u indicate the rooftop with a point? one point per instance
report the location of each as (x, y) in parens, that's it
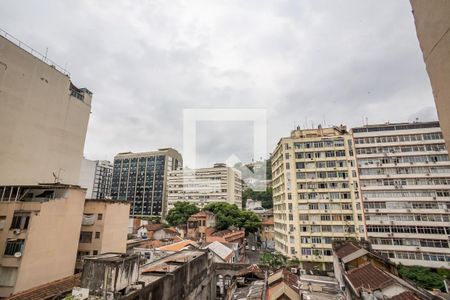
(369, 277)
(178, 246)
(49, 290)
(220, 249)
(33, 52)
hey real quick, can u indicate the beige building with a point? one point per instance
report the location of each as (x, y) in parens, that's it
(315, 194)
(141, 178)
(404, 172)
(201, 225)
(43, 119)
(433, 30)
(104, 227)
(39, 231)
(205, 185)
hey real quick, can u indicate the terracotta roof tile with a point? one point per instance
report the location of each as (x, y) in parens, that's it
(406, 296)
(346, 250)
(49, 290)
(369, 277)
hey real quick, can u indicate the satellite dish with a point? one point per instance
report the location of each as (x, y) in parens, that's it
(18, 254)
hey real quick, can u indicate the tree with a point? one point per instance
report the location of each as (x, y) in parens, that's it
(228, 215)
(265, 197)
(424, 277)
(274, 260)
(181, 213)
(293, 262)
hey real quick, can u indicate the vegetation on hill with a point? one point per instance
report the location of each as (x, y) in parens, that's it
(181, 213)
(425, 277)
(230, 215)
(265, 197)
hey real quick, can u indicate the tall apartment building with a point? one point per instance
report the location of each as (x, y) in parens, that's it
(43, 119)
(205, 185)
(141, 179)
(315, 194)
(404, 174)
(39, 231)
(96, 177)
(433, 31)
(104, 228)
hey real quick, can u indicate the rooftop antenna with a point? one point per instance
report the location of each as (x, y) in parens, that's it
(367, 121)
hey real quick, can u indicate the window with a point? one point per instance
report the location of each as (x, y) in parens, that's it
(8, 276)
(2, 222)
(20, 221)
(85, 237)
(94, 252)
(14, 246)
(100, 217)
(97, 235)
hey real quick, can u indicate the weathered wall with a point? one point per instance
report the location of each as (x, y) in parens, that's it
(190, 281)
(42, 127)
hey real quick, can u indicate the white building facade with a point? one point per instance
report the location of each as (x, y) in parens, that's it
(96, 177)
(205, 185)
(404, 174)
(315, 194)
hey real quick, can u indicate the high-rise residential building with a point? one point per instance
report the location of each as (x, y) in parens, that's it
(104, 228)
(404, 172)
(205, 185)
(433, 31)
(141, 179)
(96, 177)
(315, 194)
(43, 118)
(39, 231)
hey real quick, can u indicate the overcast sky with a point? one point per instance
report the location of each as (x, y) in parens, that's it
(305, 62)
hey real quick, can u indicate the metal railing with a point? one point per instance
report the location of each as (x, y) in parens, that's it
(33, 52)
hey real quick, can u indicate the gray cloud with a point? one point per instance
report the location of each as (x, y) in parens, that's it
(305, 62)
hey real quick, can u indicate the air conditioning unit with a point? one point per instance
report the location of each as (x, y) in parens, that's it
(377, 210)
(17, 231)
(434, 198)
(381, 222)
(417, 248)
(18, 254)
(294, 270)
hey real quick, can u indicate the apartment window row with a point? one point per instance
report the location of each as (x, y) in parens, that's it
(400, 149)
(317, 252)
(320, 144)
(323, 175)
(409, 229)
(323, 185)
(400, 138)
(330, 217)
(313, 196)
(416, 256)
(407, 205)
(328, 228)
(403, 159)
(405, 181)
(406, 194)
(405, 170)
(326, 206)
(408, 218)
(321, 154)
(318, 240)
(411, 242)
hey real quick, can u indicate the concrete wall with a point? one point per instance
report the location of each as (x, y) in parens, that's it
(432, 19)
(113, 226)
(51, 240)
(193, 280)
(42, 127)
(87, 176)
